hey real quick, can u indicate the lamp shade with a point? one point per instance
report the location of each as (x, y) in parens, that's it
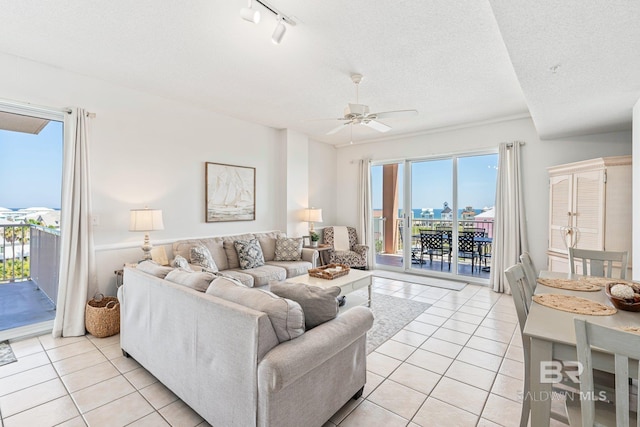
(146, 220)
(314, 215)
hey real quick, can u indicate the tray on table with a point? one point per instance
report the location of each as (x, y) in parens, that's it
(329, 271)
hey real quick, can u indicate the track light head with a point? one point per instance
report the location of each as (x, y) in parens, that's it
(250, 15)
(278, 33)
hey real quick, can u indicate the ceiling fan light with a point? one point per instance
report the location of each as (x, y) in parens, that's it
(278, 33)
(250, 15)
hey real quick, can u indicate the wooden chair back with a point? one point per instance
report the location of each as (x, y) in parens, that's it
(519, 290)
(624, 345)
(530, 271)
(600, 263)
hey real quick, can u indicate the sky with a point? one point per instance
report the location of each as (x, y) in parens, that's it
(432, 183)
(31, 168)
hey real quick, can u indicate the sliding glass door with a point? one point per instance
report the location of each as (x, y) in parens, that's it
(435, 216)
(431, 214)
(387, 199)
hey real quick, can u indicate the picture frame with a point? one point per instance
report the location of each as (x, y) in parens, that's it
(230, 192)
(306, 240)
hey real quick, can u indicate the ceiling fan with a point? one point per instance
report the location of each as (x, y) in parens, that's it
(358, 114)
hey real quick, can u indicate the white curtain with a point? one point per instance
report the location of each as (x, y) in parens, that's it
(77, 266)
(510, 234)
(364, 208)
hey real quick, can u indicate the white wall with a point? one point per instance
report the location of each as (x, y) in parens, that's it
(538, 155)
(297, 188)
(148, 150)
(322, 180)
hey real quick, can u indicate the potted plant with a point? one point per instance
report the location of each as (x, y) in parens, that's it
(314, 238)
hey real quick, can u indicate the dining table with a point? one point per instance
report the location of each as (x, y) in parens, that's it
(552, 337)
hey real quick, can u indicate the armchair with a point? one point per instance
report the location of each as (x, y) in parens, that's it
(355, 257)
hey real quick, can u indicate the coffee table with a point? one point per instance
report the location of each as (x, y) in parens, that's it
(356, 279)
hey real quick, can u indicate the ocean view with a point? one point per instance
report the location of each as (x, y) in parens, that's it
(417, 213)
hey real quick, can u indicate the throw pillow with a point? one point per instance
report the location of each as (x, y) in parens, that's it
(286, 316)
(249, 253)
(319, 304)
(198, 281)
(201, 256)
(154, 269)
(181, 262)
(288, 249)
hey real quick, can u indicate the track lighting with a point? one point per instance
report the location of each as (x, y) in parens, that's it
(278, 33)
(249, 14)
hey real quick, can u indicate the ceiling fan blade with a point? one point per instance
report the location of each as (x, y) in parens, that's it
(338, 129)
(375, 125)
(394, 114)
(327, 118)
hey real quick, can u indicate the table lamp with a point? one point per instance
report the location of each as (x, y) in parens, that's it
(146, 220)
(313, 215)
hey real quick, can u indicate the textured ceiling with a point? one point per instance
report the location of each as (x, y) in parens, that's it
(450, 60)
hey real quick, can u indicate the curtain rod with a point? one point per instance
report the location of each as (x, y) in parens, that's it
(87, 114)
(520, 143)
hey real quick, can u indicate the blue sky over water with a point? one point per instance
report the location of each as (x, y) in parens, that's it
(432, 183)
(31, 168)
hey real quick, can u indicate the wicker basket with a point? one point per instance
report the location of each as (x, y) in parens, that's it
(102, 316)
(328, 271)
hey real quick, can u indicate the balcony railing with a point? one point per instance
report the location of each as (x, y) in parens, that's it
(424, 224)
(30, 252)
(15, 250)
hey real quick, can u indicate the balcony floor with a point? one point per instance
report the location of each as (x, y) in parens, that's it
(23, 303)
(464, 266)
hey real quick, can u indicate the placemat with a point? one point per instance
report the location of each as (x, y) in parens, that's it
(601, 281)
(574, 304)
(570, 285)
(632, 329)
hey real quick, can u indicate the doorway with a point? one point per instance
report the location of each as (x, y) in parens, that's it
(31, 142)
(434, 216)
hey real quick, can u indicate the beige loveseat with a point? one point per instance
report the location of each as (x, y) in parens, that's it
(229, 363)
(225, 256)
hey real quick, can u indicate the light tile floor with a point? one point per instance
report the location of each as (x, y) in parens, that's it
(457, 364)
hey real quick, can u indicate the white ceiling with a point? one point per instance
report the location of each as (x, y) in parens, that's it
(456, 62)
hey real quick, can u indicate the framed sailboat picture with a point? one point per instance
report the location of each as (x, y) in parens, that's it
(230, 192)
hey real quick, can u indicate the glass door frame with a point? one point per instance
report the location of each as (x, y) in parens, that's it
(408, 185)
(454, 207)
(382, 266)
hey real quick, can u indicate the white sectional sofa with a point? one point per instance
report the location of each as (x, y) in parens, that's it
(226, 259)
(229, 362)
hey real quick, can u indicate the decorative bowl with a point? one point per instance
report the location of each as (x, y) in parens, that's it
(621, 303)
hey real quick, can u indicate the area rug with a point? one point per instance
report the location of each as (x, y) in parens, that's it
(6, 354)
(390, 315)
(421, 280)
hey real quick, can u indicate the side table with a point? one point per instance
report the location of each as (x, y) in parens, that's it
(324, 253)
(120, 274)
(119, 277)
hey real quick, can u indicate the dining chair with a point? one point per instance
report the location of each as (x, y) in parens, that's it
(432, 243)
(518, 282)
(468, 249)
(530, 271)
(600, 262)
(590, 408)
